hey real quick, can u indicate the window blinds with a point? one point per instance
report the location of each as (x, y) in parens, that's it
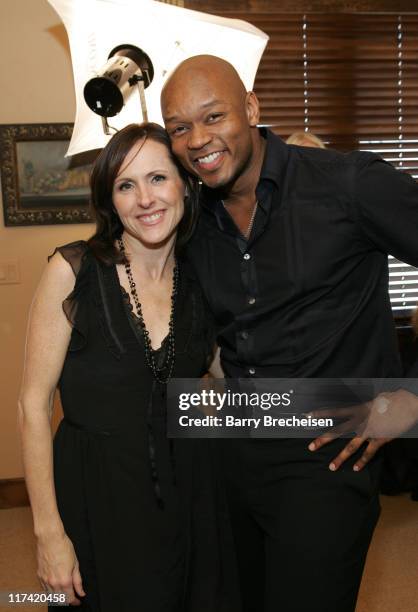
(352, 79)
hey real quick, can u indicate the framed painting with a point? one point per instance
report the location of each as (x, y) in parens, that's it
(40, 185)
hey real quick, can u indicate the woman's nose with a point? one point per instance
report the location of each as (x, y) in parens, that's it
(144, 197)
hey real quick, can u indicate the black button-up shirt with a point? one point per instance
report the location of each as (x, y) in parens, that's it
(307, 294)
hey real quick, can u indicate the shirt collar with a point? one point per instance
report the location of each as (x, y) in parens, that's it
(275, 157)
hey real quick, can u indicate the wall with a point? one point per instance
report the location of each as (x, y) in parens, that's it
(37, 87)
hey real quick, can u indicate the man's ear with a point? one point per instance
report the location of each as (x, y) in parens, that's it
(252, 107)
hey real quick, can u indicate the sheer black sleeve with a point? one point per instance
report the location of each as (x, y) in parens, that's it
(74, 305)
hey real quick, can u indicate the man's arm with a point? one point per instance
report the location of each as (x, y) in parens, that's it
(386, 201)
(386, 205)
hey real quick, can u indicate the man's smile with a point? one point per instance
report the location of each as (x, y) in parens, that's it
(209, 162)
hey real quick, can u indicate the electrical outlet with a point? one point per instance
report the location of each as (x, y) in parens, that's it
(9, 272)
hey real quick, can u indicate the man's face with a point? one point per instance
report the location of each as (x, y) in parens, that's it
(210, 128)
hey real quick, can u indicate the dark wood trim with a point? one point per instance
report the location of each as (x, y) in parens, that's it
(297, 6)
(13, 493)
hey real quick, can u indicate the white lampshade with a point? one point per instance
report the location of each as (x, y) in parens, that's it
(168, 34)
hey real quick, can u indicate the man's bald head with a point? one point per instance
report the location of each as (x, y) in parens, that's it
(210, 119)
(205, 70)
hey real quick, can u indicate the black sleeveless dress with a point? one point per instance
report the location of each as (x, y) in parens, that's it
(142, 511)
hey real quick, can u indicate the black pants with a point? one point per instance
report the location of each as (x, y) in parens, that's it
(301, 531)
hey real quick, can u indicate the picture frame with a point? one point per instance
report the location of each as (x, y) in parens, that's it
(40, 186)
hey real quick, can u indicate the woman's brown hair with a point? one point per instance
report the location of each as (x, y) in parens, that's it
(105, 170)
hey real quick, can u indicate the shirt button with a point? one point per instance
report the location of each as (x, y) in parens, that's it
(247, 256)
(244, 335)
(251, 371)
(251, 300)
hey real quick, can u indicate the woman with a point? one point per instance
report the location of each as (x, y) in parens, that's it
(114, 525)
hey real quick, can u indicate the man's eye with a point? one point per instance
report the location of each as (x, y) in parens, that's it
(214, 116)
(158, 178)
(177, 130)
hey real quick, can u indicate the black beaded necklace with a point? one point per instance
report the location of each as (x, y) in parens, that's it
(168, 364)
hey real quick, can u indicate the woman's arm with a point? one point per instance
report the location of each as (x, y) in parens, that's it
(46, 346)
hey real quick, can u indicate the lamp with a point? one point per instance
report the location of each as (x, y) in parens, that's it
(154, 37)
(106, 93)
(126, 67)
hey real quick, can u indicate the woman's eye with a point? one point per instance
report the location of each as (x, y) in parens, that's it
(124, 186)
(158, 178)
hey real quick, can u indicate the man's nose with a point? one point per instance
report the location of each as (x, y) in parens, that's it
(199, 137)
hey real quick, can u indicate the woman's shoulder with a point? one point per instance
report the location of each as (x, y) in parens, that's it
(74, 254)
(74, 260)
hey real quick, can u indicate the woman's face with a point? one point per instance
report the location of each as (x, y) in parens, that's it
(148, 193)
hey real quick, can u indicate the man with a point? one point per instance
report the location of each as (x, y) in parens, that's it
(291, 252)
